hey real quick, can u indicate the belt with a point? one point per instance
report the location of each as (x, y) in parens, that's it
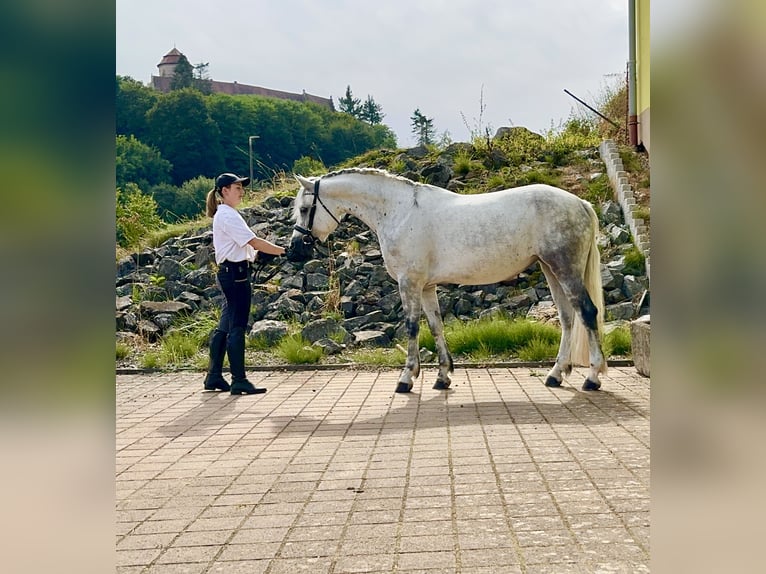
(229, 266)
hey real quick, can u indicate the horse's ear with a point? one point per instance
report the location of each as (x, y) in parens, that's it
(304, 182)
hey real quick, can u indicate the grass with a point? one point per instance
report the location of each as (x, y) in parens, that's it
(496, 335)
(635, 262)
(378, 357)
(618, 342)
(123, 351)
(297, 351)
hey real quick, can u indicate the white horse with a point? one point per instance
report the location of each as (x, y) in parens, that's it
(430, 236)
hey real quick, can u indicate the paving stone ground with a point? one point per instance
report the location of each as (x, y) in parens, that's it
(331, 471)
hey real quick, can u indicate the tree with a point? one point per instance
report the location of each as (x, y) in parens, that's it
(182, 130)
(349, 104)
(371, 112)
(423, 128)
(183, 75)
(202, 79)
(139, 163)
(132, 101)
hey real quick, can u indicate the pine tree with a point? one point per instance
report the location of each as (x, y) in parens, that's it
(349, 104)
(423, 128)
(183, 75)
(371, 112)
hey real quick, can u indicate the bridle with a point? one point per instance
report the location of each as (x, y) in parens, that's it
(308, 237)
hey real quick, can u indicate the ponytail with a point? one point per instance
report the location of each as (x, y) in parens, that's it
(212, 202)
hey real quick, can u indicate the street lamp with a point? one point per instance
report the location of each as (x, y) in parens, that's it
(250, 145)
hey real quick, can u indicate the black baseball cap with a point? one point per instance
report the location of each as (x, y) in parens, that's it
(228, 178)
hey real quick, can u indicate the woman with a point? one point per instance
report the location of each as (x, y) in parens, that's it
(235, 247)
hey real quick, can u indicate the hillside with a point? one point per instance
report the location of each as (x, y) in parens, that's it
(167, 300)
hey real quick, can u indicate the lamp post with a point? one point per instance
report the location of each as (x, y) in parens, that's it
(250, 146)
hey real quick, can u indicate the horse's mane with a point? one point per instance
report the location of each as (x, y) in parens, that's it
(371, 171)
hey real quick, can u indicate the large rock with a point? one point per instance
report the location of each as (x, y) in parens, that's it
(639, 334)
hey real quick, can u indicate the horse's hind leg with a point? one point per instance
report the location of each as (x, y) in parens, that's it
(433, 315)
(584, 343)
(411, 305)
(563, 364)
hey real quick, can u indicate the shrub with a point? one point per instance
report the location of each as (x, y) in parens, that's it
(308, 166)
(136, 215)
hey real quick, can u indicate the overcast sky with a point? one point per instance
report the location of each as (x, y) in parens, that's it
(437, 56)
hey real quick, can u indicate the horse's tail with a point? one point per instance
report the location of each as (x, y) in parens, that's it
(579, 348)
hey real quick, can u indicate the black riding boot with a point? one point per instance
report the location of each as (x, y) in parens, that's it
(236, 351)
(214, 379)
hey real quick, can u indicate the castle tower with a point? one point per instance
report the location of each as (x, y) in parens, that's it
(167, 66)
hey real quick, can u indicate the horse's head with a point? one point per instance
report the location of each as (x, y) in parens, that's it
(313, 219)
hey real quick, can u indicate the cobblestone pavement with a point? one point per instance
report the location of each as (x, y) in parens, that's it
(331, 471)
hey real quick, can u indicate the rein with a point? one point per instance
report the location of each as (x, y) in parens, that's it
(308, 237)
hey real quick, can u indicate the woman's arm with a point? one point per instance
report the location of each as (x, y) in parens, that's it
(266, 246)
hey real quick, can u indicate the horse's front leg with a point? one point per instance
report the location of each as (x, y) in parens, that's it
(411, 305)
(434, 317)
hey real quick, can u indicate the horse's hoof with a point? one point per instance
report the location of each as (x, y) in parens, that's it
(403, 387)
(552, 382)
(589, 385)
(442, 385)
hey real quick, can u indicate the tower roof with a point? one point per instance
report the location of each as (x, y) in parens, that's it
(171, 57)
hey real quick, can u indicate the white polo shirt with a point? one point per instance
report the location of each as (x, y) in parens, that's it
(230, 236)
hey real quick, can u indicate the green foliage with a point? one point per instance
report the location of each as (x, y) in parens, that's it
(136, 162)
(132, 101)
(538, 349)
(206, 134)
(464, 163)
(423, 128)
(371, 112)
(598, 190)
(536, 176)
(308, 166)
(643, 213)
(183, 75)
(297, 351)
(197, 327)
(618, 342)
(348, 104)
(175, 204)
(635, 262)
(181, 127)
(151, 360)
(378, 357)
(494, 335)
(136, 215)
(122, 351)
(176, 347)
(259, 343)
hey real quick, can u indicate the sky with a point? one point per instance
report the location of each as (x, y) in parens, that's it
(469, 65)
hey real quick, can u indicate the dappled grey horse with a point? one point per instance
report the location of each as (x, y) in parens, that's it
(430, 236)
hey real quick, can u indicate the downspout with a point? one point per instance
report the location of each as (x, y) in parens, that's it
(632, 115)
